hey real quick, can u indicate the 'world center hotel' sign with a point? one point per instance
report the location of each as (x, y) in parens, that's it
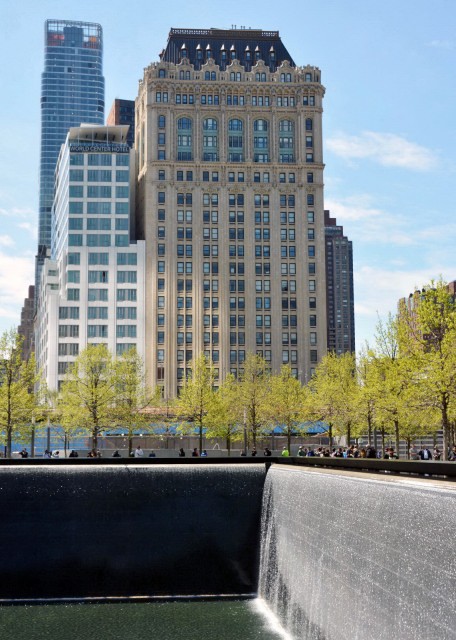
(99, 147)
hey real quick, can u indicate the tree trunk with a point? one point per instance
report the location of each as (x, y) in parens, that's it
(201, 438)
(369, 428)
(9, 438)
(130, 443)
(396, 433)
(289, 440)
(445, 427)
(348, 434)
(330, 434)
(408, 444)
(228, 445)
(383, 441)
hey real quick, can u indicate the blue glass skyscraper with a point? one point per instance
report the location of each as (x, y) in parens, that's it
(72, 92)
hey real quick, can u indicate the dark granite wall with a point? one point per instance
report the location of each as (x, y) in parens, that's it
(129, 530)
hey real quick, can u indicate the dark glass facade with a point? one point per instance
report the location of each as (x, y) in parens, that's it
(72, 92)
(123, 112)
(340, 298)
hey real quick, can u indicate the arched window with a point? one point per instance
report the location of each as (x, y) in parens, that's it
(210, 124)
(235, 125)
(162, 73)
(235, 141)
(260, 141)
(286, 141)
(210, 140)
(184, 123)
(260, 125)
(184, 139)
(286, 125)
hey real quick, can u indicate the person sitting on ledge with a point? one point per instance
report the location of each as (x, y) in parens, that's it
(204, 453)
(152, 454)
(181, 453)
(139, 453)
(73, 454)
(285, 452)
(116, 454)
(267, 452)
(195, 453)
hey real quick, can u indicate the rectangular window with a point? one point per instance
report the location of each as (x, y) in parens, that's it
(126, 295)
(97, 313)
(122, 192)
(97, 295)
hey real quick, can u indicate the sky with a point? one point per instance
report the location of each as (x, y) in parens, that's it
(389, 124)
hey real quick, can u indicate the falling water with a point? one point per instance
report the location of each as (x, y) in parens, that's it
(352, 558)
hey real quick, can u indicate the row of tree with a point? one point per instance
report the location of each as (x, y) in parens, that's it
(403, 386)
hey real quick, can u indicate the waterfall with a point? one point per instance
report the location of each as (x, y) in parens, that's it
(345, 557)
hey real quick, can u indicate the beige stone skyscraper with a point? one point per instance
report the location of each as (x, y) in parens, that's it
(230, 203)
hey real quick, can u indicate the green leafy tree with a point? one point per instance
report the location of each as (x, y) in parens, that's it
(427, 338)
(133, 397)
(89, 392)
(223, 421)
(254, 388)
(287, 403)
(197, 396)
(367, 380)
(334, 391)
(390, 377)
(17, 381)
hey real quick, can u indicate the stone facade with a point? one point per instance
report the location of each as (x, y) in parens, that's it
(230, 205)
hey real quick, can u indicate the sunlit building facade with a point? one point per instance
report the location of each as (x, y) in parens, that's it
(230, 204)
(92, 287)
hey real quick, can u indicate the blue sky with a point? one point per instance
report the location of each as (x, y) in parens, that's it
(389, 124)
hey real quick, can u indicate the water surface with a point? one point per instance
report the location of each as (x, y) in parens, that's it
(232, 620)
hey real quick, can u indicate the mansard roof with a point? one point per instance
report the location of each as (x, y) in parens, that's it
(224, 45)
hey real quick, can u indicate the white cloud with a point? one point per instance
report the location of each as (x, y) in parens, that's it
(31, 228)
(6, 241)
(441, 44)
(18, 212)
(378, 290)
(16, 275)
(387, 149)
(368, 223)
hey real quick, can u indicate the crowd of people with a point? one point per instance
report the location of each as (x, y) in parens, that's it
(353, 451)
(368, 451)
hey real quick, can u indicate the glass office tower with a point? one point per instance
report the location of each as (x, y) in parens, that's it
(72, 92)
